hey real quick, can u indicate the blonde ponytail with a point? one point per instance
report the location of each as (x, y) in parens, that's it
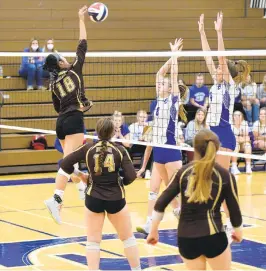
(200, 181)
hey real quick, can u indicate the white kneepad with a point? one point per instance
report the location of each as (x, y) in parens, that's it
(152, 195)
(92, 246)
(130, 242)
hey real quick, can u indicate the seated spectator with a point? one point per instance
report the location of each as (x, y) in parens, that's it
(179, 132)
(261, 93)
(49, 48)
(241, 131)
(31, 67)
(121, 129)
(136, 129)
(259, 130)
(249, 100)
(195, 126)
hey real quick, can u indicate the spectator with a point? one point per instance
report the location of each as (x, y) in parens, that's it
(261, 92)
(195, 126)
(121, 129)
(249, 100)
(136, 129)
(31, 67)
(199, 93)
(50, 48)
(259, 130)
(180, 135)
(241, 131)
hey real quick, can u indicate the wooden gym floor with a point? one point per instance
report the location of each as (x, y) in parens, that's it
(30, 240)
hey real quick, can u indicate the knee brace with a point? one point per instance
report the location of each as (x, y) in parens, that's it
(152, 195)
(92, 246)
(130, 242)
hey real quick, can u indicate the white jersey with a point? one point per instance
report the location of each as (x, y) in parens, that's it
(136, 131)
(243, 130)
(260, 129)
(222, 99)
(164, 125)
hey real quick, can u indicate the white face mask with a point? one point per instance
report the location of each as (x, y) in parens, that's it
(34, 47)
(50, 46)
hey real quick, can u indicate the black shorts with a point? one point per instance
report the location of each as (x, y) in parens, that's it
(209, 246)
(99, 206)
(69, 124)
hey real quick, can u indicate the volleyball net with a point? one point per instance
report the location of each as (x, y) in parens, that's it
(123, 84)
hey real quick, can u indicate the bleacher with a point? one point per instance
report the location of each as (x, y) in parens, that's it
(124, 84)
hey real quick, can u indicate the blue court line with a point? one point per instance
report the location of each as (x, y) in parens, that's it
(27, 182)
(27, 228)
(254, 217)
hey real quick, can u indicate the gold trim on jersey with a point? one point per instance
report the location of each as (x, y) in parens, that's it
(87, 162)
(79, 89)
(210, 222)
(220, 184)
(233, 189)
(180, 181)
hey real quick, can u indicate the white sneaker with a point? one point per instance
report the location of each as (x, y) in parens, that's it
(147, 174)
(235, 170)
(54, 208)
(248, 169)
(145, 229)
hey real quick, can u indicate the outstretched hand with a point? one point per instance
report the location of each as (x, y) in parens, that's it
(82, 12)
(201, 23)
(219, 22)
(177, 46)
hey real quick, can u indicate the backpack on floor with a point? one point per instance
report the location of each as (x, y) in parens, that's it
(38, 142)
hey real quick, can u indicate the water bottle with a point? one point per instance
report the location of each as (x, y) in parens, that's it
(1, 72)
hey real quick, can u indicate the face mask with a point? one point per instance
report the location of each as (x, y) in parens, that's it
(34, 47)
(50, 46)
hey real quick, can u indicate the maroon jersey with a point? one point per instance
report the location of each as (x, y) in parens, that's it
(109, 185)
(202, 219)
(68, 89)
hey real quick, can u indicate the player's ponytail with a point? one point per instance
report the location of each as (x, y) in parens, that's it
(239, 70)
(200, 181)
(105, 130)
(184, 90)
(100, 160)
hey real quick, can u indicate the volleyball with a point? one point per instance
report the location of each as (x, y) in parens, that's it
(98, 12)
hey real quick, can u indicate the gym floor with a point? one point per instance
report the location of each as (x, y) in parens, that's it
(30, 240)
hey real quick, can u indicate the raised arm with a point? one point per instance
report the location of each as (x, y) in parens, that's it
(163, 70)
(82, 27)
(206, 47)
(222, 59)
(177, 46)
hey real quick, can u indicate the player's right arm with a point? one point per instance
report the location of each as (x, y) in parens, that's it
(206, 47)
(82, 47)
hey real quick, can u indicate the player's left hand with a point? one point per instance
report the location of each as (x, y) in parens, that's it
(82, 12)
(219, 22)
